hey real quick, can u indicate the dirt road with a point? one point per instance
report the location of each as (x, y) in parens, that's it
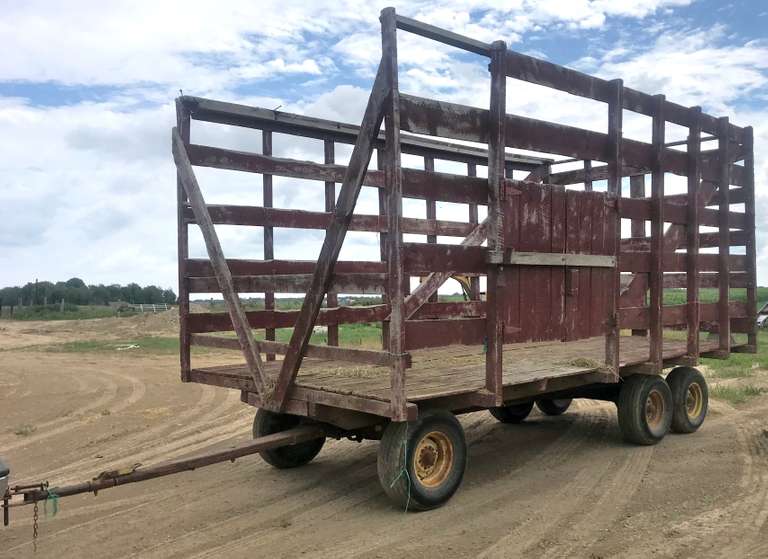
(552, 487)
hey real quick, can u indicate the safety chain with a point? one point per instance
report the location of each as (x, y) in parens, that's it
(34, 529)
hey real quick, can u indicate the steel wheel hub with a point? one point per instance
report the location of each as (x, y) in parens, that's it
(433, 458)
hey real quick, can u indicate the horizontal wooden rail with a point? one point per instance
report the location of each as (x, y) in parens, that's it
(234, 114)
(302, 398)
(302, 219)
(220, 322)
(418, 184)
(523, 67)
(292, 283)
(640, 208)
(424, 258)
(640, 262)
(316, 351)
(706, 240)
(706, 279)
(202, 267)
(461, 122)
(450, 309)
(520, 258)
(442, 36)
(675, 315)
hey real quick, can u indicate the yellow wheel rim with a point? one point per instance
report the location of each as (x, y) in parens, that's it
(654, 409)
(694, 400)
(433, 459)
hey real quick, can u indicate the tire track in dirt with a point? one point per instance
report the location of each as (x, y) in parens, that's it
(563, 504)
(129, 446)
(724, 525)
(108, 394)
(616, 495)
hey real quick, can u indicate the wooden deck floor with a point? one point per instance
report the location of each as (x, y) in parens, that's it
(447, 371)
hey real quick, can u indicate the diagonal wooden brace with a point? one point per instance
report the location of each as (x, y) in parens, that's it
(334, 238)
(219, 264)
(429, 287)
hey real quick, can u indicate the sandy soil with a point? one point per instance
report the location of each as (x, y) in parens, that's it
(552, 487)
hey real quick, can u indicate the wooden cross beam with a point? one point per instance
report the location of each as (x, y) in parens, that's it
(334, 238)
(219, 263)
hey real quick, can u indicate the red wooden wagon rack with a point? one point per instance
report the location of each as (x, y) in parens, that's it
(573, 302)
(562, 282)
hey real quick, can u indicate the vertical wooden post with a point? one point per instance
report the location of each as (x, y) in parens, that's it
(656, 275)
(637, 226)
(588, 175)
(474, 281)
(749, 218)
(269, 238)
(394, 186)
(615, 108)
(692, 233)
(332, 299)
(429, 166)
(724, 268)
(185, 360)
(496, 177)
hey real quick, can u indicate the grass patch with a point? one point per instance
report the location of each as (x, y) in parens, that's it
(740, 365)
(145, 345)
(735, 394)
(24, 430)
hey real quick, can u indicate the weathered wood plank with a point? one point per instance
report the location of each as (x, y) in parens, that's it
(693, 278)
(269, 233)
(724, 223)
(292, 283)
(270, 319)
(185, 359)
(202, 267)
(656, 273)
(522, 258)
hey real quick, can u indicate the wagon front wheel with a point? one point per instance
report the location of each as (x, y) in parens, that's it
(421, 463)
(292, 456)
(645, 409)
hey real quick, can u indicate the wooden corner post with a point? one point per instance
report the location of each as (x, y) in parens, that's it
(724, 268)
(656, 275)
(749, 211)
(692, 232)
(495, 227)
(185, 359)
(615, 108)
(393, 180)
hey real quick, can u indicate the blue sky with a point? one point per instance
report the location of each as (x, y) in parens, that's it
(86, 104)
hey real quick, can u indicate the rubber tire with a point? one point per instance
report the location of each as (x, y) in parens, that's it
(554, 406)
(679, 380)
(516, 413)
(292, 456)
(631, 409)
(406, 490)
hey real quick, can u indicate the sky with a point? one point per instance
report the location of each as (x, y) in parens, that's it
(87, 181)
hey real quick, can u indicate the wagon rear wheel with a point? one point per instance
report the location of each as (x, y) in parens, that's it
(267, 423)
(554, 406)
(421, 463)
(645, 409)
(690, 399)
(514, 413)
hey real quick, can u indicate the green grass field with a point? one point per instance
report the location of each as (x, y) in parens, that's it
(70, 312)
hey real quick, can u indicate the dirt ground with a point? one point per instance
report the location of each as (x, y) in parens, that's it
(552, 487)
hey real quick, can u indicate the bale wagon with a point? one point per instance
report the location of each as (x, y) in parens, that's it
(565, 269)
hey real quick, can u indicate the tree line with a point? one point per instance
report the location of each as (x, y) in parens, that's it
(75, 292)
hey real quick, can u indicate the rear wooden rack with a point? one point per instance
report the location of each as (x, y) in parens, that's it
(562, 278)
